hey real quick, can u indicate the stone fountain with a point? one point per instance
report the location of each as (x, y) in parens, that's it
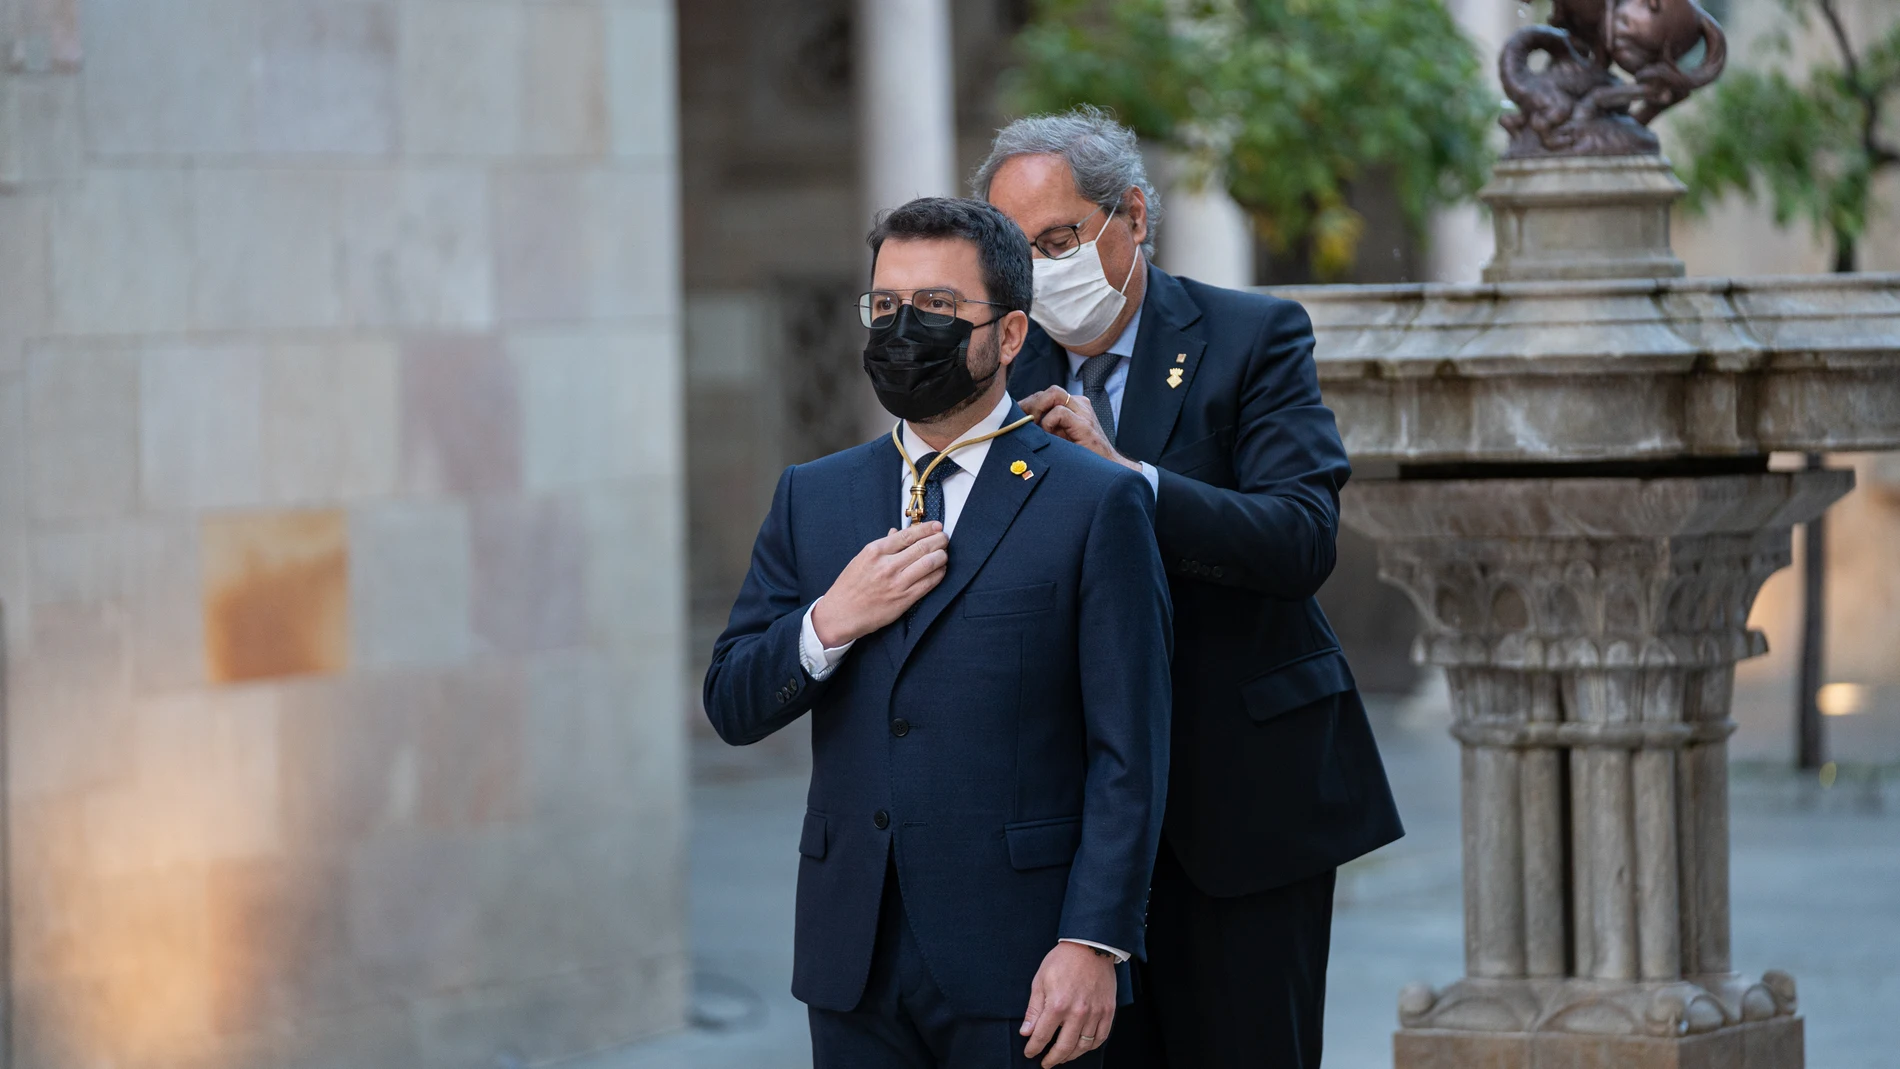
(1569, 475)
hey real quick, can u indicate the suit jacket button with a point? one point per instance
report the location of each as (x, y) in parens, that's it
(900, 727)
(791, 685)
(881, 819)
(1217, 572)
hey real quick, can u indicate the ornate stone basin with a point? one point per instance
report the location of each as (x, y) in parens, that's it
(1625, 370)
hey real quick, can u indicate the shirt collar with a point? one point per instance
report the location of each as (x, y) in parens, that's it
(1124, 345)
(969, 459)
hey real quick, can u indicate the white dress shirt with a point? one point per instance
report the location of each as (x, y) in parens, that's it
(1116, 385)
(821, 660)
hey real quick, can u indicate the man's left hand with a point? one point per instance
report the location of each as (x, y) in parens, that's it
(1067, 416)
(1071, 1001)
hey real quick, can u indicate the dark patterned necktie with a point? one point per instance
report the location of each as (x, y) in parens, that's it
(933, 485)
(1095, 373)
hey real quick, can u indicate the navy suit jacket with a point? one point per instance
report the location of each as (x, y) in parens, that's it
(1008, 748)
(1275, 773)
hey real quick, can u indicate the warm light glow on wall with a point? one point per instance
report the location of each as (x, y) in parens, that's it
(1842, 699)
(155, 899)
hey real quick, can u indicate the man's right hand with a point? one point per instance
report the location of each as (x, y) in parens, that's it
(885, 578)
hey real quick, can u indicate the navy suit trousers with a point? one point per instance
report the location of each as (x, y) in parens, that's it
(904, 1022)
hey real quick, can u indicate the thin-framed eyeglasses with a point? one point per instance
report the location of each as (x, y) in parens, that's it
(1062, 242)
(933, 307)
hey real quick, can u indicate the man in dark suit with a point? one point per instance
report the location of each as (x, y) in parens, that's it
(1276, 781)
(982, 643)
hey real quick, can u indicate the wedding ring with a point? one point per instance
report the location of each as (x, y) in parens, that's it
(1086, 1039)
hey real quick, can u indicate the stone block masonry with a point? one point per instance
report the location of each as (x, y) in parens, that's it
(341, 531)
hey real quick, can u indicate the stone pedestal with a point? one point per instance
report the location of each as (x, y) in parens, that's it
(1565, 218)
(1589, 629)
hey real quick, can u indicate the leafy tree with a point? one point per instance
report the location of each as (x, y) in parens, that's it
(1292, 102)
(1813, 148)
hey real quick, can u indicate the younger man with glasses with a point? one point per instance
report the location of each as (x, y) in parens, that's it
(975, 615)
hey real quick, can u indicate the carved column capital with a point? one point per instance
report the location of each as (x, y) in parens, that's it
(1567, 575)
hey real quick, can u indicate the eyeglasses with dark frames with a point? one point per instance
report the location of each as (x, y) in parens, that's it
(933, 307)
(1062, 242)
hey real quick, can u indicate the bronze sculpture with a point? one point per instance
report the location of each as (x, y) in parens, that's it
(1576, 105)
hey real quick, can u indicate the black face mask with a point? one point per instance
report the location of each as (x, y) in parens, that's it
(918, 370)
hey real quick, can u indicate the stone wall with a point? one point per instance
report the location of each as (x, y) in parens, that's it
(341, 529)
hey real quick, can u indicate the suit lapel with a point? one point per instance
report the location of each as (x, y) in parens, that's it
(1040, 365)
(877, 494)
(995, 499)
(1165, 343)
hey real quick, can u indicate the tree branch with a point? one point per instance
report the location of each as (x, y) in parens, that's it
(1848, 60)
(1878, 155)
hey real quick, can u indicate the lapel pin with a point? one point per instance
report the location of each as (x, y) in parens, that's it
(1019, 468)
(1180, 358)
(1174, 377)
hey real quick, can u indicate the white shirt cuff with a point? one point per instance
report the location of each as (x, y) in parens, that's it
(1120, 955)
(1153, 475)
(819, 659)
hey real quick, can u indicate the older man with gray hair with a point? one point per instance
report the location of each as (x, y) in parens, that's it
(1213, 396)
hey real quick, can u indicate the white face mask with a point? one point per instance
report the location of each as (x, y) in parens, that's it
(1074, 300)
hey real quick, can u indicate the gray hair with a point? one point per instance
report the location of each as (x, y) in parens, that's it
(1102, 154)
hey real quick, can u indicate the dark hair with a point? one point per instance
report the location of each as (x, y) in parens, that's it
(1002, 252)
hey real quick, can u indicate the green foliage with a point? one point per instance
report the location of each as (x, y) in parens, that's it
(1811, 149)
(1292, 101)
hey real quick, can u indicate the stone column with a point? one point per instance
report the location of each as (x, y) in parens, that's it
(907, 131)
(1206, 236)
(906, 102)
(1589, 628)
(1460, 237)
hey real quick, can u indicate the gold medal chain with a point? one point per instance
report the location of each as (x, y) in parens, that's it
(915, 513)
